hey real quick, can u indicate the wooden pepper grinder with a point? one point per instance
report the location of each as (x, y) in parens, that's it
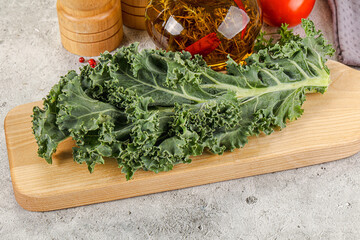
(133, 13)
(90, 27)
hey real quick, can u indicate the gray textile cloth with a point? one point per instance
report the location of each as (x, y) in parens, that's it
(346, 19)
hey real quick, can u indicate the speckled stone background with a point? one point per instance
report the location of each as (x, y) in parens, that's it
(317, 202)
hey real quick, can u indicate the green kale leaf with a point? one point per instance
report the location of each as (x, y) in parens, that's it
(154, 109)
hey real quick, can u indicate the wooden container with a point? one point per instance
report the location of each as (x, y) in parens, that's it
(136, 3)
(90, 27)
(140, 11)
(133, 13)
(134, 21)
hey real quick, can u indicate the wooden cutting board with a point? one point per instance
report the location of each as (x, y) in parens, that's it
(328, 130)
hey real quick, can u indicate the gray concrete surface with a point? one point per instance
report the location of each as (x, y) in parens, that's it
(317, 202)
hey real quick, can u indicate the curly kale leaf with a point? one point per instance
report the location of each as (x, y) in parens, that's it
(47, 133)
(154, 109)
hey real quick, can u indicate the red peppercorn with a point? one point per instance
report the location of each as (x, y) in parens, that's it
(91, 61)
(81, 59)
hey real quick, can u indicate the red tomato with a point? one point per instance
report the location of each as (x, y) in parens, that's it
(276, 12)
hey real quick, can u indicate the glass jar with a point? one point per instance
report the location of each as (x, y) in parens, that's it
(211, 28)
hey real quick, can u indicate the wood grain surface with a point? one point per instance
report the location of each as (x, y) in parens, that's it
(90, 49)
(81, 20)
(328, 130)
(133, 21)
(90, 27)
(140, 11)
(136, 3)
(93, 37)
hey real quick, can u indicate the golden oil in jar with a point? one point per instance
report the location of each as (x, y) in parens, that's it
(211, 28)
